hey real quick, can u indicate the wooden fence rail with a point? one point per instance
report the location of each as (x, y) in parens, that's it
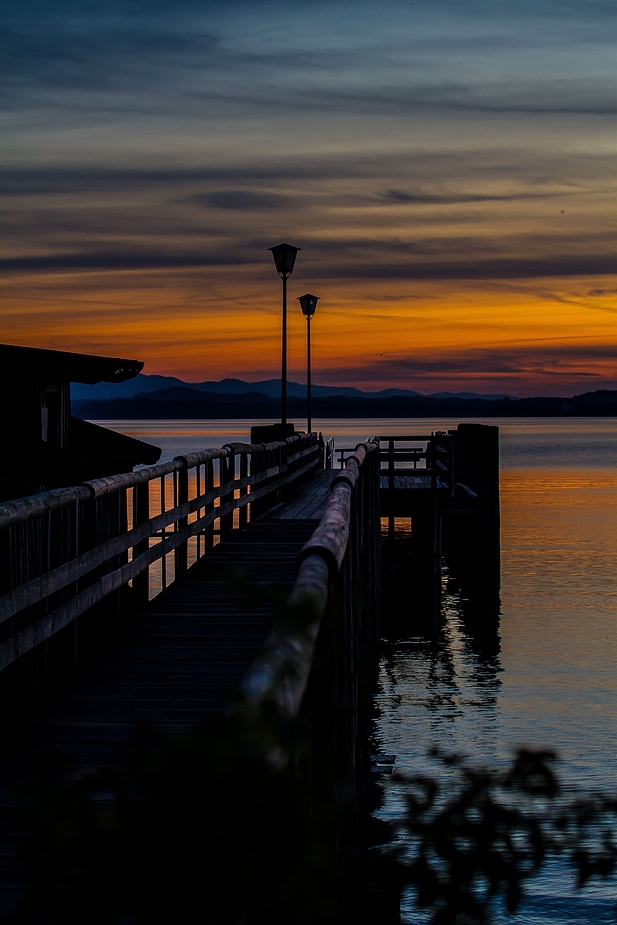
(66, 551)
(433, 457)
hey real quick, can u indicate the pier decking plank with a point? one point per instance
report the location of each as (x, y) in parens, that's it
(311, 501)
(181, 663)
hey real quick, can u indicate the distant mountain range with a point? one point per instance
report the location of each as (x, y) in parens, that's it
(252, 401)
(269, 387)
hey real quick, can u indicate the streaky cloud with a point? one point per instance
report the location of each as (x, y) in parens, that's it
(241, 200)
(435, 270)
(536, 172)
(117, 261)
(400, 196)
(549, 360)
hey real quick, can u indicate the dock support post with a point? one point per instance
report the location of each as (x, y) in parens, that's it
(476, 460)
(472, 534)
(477, 466)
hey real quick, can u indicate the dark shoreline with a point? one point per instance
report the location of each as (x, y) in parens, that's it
(237, 407)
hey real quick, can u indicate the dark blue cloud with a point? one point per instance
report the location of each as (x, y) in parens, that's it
(239, 200)
(257, 55)
(400, 196)
(538, 175)
(92, 53)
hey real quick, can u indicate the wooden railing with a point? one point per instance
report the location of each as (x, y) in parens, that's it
(432, 454)
(399, 455)
(339, 576)
(126, 537)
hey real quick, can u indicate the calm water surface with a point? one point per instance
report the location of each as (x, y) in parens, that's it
(552, 683)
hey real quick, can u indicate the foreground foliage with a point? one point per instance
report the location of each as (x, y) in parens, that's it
(482, 834)
(230, 826)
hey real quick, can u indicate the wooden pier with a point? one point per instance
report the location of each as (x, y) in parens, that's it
(142, 604)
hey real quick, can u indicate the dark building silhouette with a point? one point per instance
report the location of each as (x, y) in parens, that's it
(42, 446)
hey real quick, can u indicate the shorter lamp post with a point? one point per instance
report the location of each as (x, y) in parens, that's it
(308, 304)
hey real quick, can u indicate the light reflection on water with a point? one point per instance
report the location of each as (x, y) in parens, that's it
(552, 683)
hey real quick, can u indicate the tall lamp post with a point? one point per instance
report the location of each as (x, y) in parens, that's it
(308, 304)
(284, 259)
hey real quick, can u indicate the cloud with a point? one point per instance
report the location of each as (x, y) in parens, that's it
(559, 265)
(64, 47)
(601, 292)
(540, 361)
(194, 58)
(581, 96)
(241, 200)
(409, 266)
(534, 173)
(90, 218)
(400, 196)
(126, 260)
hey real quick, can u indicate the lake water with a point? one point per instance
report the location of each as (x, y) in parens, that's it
(553, 682)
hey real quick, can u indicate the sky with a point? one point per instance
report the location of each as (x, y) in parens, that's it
(447, 168)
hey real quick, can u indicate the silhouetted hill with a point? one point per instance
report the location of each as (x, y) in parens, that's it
(187, 403)
(604, 398)
(186, 394)
(271, 388)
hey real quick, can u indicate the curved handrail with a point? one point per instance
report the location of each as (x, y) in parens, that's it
(22, 509)
(282, 669)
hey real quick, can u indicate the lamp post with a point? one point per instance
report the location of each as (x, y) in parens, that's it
(284, 259)
(308, 304)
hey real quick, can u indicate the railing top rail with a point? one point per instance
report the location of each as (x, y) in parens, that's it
(332, 534)
(22, 509)
(110, 483)
(239, 449)
(416, 438)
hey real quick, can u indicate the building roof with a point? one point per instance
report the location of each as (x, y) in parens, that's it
(29, 466)
(118, 450)
(73, 367)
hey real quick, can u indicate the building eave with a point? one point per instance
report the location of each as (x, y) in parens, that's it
(70, 367)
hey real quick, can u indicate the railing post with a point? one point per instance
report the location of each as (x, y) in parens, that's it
(243, 511)
(432, 458)
(283, 455)
(228, 465)
(181, 556)
(391, 489)
(208, 484)
(141, 513)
